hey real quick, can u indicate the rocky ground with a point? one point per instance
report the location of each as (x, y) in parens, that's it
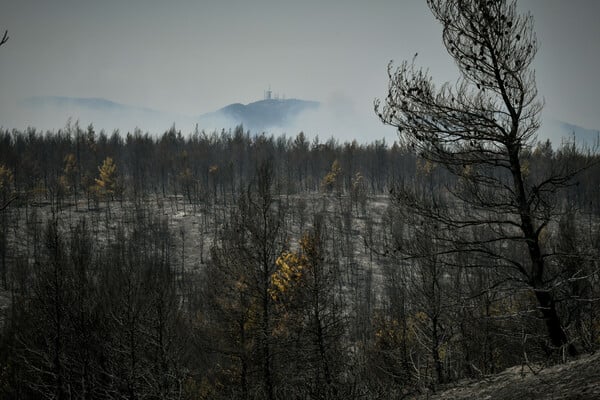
(578, 379)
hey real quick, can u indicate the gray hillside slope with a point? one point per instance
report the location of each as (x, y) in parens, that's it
(578, 379)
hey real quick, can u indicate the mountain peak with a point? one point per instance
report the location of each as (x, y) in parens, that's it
(260, 115)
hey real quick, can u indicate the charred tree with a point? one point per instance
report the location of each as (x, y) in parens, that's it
(479, 129)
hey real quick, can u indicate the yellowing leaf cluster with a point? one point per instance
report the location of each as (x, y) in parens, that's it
(389, 334)
(70, 164)
(67, 180)
(289, 274)
(107, 181)
(331, 180)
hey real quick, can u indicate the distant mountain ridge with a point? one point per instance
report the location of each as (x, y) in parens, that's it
(258, 116)
(263, 114)
(95, 103)
(269, 115)
(51, 112)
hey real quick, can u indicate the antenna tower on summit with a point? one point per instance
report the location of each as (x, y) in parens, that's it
(268, 94)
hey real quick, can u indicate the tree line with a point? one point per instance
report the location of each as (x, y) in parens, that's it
(214, 167)
(201, 166)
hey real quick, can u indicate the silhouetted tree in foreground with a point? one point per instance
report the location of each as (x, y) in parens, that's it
(480, 130)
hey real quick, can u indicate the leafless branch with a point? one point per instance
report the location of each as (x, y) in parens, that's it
(4, 38)
(5, 205)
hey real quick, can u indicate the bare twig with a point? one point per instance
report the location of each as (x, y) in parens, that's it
(4, 38)
(3, 206)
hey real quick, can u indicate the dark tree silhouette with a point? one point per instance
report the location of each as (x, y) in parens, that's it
(6, 203)
(479, 129)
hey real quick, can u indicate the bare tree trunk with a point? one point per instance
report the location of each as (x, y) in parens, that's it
(265, 339)
(545, 299)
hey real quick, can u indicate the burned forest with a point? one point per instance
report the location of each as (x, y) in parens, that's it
(234, 264)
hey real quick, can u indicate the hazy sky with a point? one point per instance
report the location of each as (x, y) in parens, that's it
(191, 57)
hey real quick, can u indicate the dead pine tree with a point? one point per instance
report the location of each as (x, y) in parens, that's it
(479, 129)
